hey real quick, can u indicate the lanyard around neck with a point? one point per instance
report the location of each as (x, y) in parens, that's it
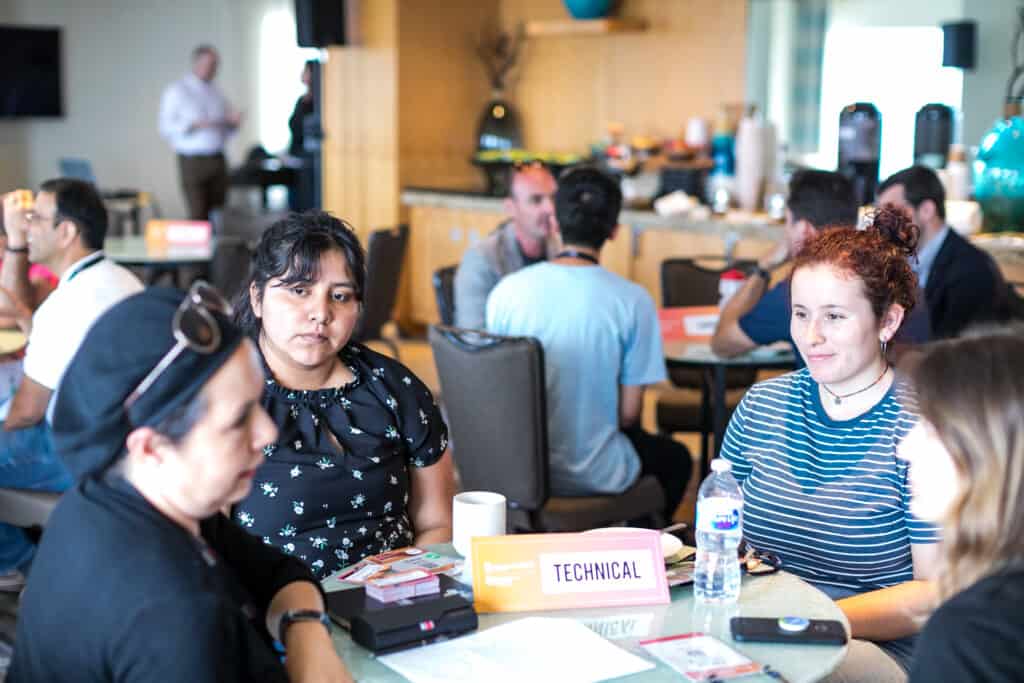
(572, 253)
(85, 265)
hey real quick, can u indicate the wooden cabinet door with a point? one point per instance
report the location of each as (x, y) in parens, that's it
(439, 237)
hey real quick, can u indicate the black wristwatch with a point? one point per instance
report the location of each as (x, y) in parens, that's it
(761, 272)
(294, 615)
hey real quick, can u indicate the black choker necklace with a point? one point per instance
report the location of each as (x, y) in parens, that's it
(572, 253)
(838, 398)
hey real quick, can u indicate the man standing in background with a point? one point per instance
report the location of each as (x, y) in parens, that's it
(197, 120)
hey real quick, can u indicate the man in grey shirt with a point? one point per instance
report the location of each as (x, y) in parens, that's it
(522, 240)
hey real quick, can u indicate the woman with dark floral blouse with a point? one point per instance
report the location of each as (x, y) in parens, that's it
(361, 464)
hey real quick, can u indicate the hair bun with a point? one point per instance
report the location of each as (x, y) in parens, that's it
(895, 227)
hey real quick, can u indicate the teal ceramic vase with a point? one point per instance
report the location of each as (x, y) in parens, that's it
(588, 9)
(999, 176)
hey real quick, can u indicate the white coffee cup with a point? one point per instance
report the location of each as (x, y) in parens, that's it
(476, 513)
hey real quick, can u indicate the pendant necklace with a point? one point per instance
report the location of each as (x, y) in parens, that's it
(838, 398)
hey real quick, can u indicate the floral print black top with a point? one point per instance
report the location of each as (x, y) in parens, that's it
(331, 507)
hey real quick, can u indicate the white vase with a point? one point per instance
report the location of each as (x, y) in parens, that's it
(755, 153)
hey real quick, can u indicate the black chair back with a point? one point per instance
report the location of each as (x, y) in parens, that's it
(694, 282)
(444, 293)
(495, 398)
(238, 223)
(229, 268)
(385, 252)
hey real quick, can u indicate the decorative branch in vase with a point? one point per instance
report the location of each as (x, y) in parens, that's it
(498, 127)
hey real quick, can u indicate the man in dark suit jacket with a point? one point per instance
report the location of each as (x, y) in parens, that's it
(962, 284)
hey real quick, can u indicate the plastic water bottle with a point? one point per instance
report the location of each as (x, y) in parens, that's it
(719, 529)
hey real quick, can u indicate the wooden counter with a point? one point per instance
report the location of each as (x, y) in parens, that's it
(443, 224)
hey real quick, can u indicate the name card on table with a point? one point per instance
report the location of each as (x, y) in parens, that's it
(178, 232)
(688, 323)
(568, 571)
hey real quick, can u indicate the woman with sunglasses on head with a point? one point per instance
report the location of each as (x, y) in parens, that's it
(966, 460)
(360, 465)
(164, 428)
(815, 450)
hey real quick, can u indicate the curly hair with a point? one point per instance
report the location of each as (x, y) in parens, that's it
(290, 250)
(878, 255)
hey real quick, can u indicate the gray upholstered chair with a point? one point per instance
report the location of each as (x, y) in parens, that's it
(495, 399)
(444, 293)
(385, 251)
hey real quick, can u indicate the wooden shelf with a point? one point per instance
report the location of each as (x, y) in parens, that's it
(583, 27)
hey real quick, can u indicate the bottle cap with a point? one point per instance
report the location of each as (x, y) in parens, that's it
(733, 274)
(719, 465)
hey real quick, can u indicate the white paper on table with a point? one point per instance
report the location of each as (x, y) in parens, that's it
(533, 648)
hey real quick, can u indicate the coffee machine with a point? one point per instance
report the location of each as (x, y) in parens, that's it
(933, 134)
(860, 148)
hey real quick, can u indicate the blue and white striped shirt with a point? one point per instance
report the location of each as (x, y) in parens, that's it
(829, 497)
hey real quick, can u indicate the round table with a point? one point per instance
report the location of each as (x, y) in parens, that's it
(698, 355)
(772, 595)
(135, 251)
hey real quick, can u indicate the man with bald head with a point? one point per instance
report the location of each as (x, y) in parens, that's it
(520, 241)
(197, 120)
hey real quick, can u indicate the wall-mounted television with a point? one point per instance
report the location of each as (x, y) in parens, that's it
(30, 72)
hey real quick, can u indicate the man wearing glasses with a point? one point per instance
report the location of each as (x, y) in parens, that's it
(63, 228)
(521, 241)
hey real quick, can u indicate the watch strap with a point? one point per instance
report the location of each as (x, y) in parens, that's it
(295, 615)
(763, 273)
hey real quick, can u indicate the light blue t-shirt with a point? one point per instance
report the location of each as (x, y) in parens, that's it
(598, 331)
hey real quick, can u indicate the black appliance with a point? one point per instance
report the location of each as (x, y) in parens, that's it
(933, 134)
(959, 40)
(319, 23)
(860, 148)
(30, 72)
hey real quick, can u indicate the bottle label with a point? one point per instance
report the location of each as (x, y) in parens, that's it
(720, 515)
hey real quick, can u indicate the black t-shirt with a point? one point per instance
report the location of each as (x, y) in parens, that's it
(976, 635)
(331, 507)
(118, 592)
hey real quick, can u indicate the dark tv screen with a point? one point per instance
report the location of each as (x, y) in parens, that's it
(30, 78)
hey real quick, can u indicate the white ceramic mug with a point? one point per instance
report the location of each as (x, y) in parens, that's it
(476, 513)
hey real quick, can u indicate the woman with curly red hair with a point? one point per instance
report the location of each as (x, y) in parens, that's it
(815, 450)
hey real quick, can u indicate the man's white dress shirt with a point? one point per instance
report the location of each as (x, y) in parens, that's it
(186, 102)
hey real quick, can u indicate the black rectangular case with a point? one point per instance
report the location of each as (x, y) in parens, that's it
(383, 627)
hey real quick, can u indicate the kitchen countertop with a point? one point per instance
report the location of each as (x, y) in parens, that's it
(735, 224)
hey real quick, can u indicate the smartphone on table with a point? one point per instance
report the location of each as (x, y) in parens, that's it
(788, 630)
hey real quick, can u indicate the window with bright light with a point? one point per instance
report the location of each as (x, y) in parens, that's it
(899, 70)
(280, 71)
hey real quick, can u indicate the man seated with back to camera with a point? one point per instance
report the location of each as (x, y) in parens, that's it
(757, 315)
(602, 346)
(522, 240)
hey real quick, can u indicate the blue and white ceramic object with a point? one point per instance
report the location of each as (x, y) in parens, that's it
(999, 176)
(588, 9)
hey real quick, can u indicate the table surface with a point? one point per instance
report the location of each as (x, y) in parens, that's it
(699, 353)
(134, 250)
(773, 595)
